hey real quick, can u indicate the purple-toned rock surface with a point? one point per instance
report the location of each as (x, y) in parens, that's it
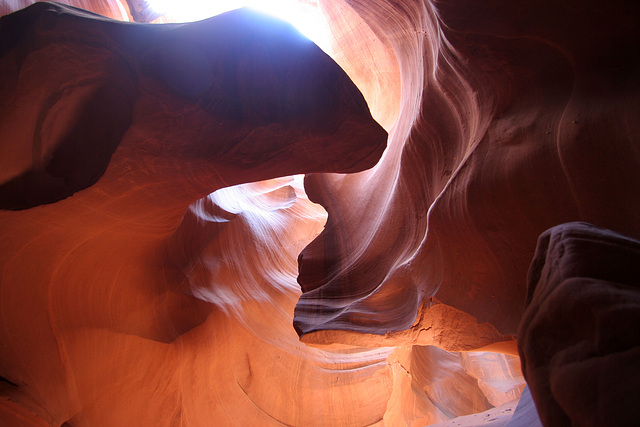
(579, 339)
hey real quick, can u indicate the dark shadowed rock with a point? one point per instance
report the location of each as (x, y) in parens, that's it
(579, 339)
(240, 90)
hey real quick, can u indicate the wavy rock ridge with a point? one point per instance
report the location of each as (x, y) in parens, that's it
(514, 118)
(123, 276)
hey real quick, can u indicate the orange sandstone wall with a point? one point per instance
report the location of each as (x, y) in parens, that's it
(137, 300)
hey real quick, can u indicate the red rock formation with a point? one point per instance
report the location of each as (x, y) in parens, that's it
(106, 317)
(514, 117)
(256, 86)
(124, 303)
(116, 9)
(579, 340)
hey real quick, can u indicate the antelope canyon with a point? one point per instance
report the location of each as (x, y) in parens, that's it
(428, 215)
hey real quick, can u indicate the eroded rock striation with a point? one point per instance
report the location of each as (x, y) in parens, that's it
(110, 132)
(514, 117)
(130, 294)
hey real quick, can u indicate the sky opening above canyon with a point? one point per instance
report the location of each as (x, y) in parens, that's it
(304, 15)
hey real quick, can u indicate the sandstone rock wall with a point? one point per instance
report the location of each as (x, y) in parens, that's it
(130, 296)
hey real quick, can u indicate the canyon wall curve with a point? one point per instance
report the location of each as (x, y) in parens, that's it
(215, 223)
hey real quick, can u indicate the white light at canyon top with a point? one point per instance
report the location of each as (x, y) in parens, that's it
(303, 15)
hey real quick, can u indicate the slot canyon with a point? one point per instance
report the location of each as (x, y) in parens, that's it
(429, 216)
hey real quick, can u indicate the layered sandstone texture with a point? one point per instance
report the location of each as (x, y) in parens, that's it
(387, 290)
(514, 117)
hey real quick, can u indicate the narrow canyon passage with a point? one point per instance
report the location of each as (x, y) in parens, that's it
(214, 223)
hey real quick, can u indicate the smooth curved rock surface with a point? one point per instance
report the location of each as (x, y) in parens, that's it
(579, 336)
(259, 99)
(514, 117)
(110, 134)
(126, 303)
